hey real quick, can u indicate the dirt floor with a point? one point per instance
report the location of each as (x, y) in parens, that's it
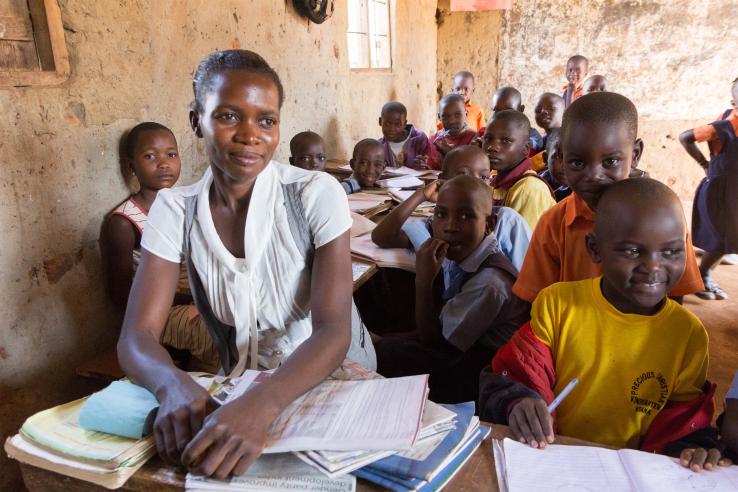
(721, 320)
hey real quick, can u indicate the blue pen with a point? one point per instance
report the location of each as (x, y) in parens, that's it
(557, 401)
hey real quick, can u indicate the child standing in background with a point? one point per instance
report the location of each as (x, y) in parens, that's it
(464, 84)
(549, 110)
(308, 151)
(452, 113)
(150, 151)
(576, 71)
(715, 209)
(404, 145)
(509, 98)
(554, 173)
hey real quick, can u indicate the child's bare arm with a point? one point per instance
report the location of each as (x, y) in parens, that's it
(427, 307)
(388, 234)
(120, 241)
(531, 423)
(689, 142)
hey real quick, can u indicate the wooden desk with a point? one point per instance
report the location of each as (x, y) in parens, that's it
(369, 273)
(477, 474)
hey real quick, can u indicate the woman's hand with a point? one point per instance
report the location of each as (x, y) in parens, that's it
(183, 408)
(232, 437)
(697, 459)
(531, 423)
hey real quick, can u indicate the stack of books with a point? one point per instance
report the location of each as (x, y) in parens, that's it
(430, 465)
(54, 441)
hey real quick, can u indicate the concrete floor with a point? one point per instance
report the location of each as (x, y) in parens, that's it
(721, 321)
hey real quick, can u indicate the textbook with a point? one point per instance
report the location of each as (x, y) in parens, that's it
(339, 415)
(436, 423)
(396, 478)
(364, 247)
(360, 225)
(274, 473)
(400, 182)
(521, 468)
(368, 204)
(408, 171)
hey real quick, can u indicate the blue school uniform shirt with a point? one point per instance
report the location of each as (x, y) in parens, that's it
(511, 231)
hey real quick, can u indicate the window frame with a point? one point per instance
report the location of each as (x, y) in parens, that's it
(48, 33)
(369, 47)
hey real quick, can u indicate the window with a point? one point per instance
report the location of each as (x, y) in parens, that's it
(369, 34)
(32, 47)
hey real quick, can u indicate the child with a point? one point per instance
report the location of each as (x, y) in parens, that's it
(367, 163)
(308, 151)
(549, 110)
(554, 174)
(150, 152)
(404, 145)
(464, 84)
(714, 216)
(516, 184)
(599, 146)
(452, 113)
(576, 71)
(640, 357)
(594, 83)
(509, 98)
(476, 312)
(510, 229)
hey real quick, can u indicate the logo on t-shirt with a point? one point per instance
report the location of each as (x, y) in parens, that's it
(649, 392)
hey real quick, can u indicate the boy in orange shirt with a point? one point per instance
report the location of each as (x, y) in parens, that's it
(464, 84)
(599, 145)
(576, 71)
(640, 357)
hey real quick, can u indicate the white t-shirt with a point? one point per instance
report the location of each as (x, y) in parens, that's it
(266, 294)
(398, 146)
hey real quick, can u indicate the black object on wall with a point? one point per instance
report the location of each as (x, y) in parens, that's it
(317, 11)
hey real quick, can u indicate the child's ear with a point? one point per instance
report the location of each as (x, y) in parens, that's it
(491, 223)
(526, 148)
(637, 153)
(380, 121)
(522, 108)
(590, 240)
(195, 123)
(351, 163)
(292, 160)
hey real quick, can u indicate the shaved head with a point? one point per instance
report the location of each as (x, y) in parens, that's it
(394, 107)
(303, 139)
(601, 107)
(367, 142)
(451, 98)
(476, 189)
(630, 198)
(465, 158)
(514, 118)
(507, 98)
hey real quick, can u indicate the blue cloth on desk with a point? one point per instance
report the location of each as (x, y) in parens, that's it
(122, 409)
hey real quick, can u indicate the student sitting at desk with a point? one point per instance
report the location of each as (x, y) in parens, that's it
(474, 312)
(267, 252)
(510, 229)
(640, 357)
(367, 163)
(150, 150)
(307, 151)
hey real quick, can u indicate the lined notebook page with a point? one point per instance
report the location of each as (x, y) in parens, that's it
(560, 468)
(655, 473)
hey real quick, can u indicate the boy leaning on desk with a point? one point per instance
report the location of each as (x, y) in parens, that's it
(640, 357)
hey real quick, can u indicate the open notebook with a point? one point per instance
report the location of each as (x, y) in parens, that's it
(521, 468)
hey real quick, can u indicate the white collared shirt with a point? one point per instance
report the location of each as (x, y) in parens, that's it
(266, 294)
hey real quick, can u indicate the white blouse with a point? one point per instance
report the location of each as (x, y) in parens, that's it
(266, 294)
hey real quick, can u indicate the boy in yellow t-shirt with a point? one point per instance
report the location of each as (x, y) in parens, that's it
(516, 184)
(640, 357)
